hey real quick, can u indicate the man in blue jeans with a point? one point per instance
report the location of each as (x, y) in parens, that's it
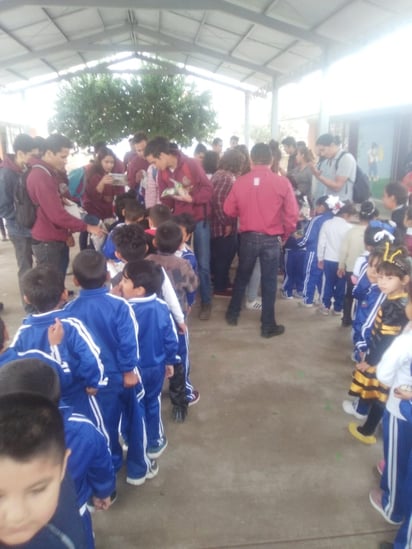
(267, 210)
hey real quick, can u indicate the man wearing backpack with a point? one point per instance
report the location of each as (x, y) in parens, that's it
(11, 172)
(338, 172)
(54, 225)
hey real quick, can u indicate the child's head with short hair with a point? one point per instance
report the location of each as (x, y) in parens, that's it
(168, 237)
(133, 211)
(120, 203)
(90, 270)
(141, 278)
(158, 214)
(394, 195)
(130, 242)
(33, 460)
(186, 223)
(30, 375)
(43, 288)
(368, 211)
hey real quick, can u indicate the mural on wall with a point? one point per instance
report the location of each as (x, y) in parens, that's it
(375, 151)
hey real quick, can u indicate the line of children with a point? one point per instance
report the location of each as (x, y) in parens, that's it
(393, 281)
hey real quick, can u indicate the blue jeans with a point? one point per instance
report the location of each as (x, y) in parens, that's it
(267, 249)
(223, 251)
(54, 253)
(334, 286)
(202, 252)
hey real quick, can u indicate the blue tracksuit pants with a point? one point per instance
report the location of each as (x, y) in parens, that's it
(312, 277)
(294, 271)
(153, 378)
(334, 287)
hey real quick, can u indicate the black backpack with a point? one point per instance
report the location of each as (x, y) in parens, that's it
(26, 210)
(361, 185)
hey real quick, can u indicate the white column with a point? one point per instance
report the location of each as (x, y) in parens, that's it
(274, 123)
(247, 118)
(323, 118)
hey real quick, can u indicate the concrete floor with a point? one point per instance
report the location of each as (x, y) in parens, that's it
(264, 460)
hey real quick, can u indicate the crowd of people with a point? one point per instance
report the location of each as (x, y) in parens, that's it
(102, 356)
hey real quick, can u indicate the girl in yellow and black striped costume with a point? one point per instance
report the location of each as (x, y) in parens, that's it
(395, 282)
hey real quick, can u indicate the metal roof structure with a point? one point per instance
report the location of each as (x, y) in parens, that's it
(256, 43)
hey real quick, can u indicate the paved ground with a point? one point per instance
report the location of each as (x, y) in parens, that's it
(264, 460)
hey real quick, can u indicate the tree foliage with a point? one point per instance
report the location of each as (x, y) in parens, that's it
(104, 107)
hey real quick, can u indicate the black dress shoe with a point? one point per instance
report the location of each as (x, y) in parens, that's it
(272, 332)
(231, 320)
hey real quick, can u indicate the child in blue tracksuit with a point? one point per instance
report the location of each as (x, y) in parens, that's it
(158, 343)
(113, 325)
(43, 288)
(187, 225)
(394, 500)
(309, 242)
(89, 464)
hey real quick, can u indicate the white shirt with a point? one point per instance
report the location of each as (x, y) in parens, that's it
(394, 369)
(330, 238)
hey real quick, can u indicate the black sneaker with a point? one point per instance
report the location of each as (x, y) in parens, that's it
(179, 414)
(272, 332)
(230, 319)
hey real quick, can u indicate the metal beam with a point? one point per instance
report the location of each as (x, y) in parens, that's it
(215, 5)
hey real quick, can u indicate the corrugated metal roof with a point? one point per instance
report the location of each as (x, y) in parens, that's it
(250, 41)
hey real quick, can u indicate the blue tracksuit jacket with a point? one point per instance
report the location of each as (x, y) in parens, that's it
(77, 349)
(113, 325)
(90, 463)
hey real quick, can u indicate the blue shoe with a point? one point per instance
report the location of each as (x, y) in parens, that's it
(157, 451)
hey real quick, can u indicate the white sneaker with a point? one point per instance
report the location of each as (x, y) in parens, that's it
(349, 407)
(255, 305)
(324, 310)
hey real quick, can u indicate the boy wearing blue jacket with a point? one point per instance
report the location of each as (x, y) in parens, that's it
(89, 463)
(43, 288)
(113, 325)
(158, 343)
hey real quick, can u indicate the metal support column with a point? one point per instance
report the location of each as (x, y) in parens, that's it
(247, 118)
(274, 123)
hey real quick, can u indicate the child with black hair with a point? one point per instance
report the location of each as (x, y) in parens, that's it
(309, 242)
(158, 343)
(157, 215)
(187, 225)
(89, 464)
(184, 280)
(43, 288)
(113, 324)
(38, 503)
(133, 212)
(394, 281)
(130, 243)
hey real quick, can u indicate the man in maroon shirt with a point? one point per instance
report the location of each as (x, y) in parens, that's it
(267, 210)
(53, 226)
(138, 164)
(195, 199)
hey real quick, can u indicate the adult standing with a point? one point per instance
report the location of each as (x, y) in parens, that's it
(172, 165)
(338, 173)
(11, 171)
(223, 227)
(301, 175)
(54, 226)
(267, 209)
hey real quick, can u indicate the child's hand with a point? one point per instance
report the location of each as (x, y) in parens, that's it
(320, 265)
(92, 391)
(130, 379)
(362, 366)
(341, 273)
(182, 328)
(170, 370)
(404, 392)
(101, 504)
(55, 333)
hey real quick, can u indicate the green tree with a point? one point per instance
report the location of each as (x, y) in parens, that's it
(103, 107)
